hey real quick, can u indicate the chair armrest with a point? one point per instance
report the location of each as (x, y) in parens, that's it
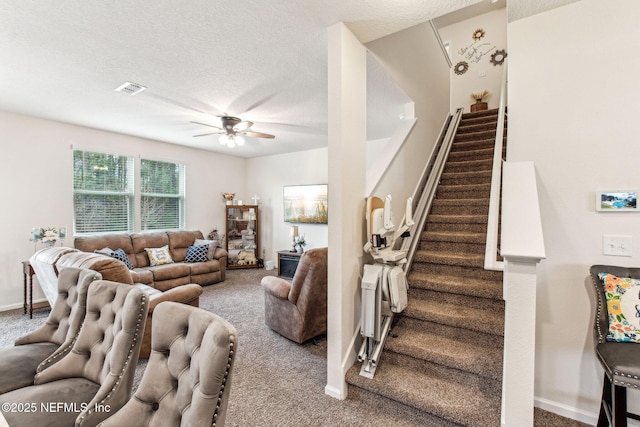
(182, 294)
(220, 253)
(276, 286)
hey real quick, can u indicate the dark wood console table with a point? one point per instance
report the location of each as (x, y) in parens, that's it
(28, 273)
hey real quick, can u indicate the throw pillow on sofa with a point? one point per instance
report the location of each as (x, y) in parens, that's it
(159, 256)
(211, 244)
(197, 254)
(121, 255)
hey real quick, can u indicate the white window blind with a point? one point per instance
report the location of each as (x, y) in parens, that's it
(103, 192)
(161, 195)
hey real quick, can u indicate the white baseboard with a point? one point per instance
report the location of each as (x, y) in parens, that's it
(334, 392)
(19, 305)
(566, 411)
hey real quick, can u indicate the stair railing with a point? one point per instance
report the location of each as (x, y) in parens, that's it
(425, 190)
(491, 261)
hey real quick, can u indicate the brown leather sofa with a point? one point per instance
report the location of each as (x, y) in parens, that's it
(298, 309)
(165, 276)
(166, 286)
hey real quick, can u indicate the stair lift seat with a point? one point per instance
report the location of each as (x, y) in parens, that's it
(47, 344)
(94, 379)
(620, 360)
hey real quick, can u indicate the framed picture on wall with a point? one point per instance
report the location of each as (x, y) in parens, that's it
(616, 201)
(307, 204)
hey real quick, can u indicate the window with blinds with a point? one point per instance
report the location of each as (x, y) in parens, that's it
(103, 192)
(161, 195)
(104, 196)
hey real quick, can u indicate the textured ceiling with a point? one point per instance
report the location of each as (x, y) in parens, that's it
(265, 61)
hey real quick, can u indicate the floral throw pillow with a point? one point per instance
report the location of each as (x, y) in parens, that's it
(159, 256)
(623, 306)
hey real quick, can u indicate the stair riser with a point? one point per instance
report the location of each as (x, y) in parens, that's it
(475, 136)
(469, 178)
(467, 248)
(459, 271)
(461, 156)
(452, 193)
(459, 210)
(454, 227)
(471, 166)
(419, 364)
(477, 127)
(460, 285)
(458, 300)
(473, 145)
(444, 259)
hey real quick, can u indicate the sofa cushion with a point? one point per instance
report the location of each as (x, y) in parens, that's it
(97, 242)
(120, 255)
(110, 268)
(170, 271)
(197, 254)
(142, 275)
(147, 240)
(159, 256)
(179, 242)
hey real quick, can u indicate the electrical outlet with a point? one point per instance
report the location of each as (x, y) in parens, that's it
(617, 245)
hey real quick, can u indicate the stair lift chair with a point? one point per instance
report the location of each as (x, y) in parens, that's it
(94, 379)
(40, 348)
(188, 378)
(298, 309)
(617, 332)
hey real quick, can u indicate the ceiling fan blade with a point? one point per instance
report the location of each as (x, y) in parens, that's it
(206, 124)
(209, 133)
(257, 134)
(243, 125)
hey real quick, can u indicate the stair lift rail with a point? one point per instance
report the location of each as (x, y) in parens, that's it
(377, 306)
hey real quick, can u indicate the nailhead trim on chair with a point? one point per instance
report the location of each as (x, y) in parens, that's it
(126, 363)
(598, 287)
(224, 381)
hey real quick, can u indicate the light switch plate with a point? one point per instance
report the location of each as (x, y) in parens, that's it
(617, 245)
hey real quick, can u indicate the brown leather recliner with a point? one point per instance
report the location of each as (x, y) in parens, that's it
(298, 309)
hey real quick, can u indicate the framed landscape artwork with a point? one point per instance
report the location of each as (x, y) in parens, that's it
(615, 201)
(306, 204)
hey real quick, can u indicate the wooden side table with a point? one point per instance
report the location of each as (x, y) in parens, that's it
(28, 273)
(288, 263)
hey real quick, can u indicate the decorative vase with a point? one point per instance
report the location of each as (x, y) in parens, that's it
(49, 243)
(479, 106)
(299, 249)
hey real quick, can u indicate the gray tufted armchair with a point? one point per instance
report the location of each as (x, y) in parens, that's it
(188, 378)
(94, 379)
(38, 349)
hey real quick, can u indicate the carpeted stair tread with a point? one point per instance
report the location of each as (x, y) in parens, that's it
(450, 258)
(472, 145)
(476, 154)
(477, 114)
(466, 127)
(477, 177)
(458, 206)
(462, 284)
(456, 348)
(436, 390)
(463, 187)
(468, 165)
(472, 136)
(457, 237)
(455, 314)
(458, 219)
(463, 271)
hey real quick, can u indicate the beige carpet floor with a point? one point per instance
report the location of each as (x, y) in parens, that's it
(277, 382)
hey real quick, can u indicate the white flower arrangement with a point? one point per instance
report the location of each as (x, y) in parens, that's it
(45, 235)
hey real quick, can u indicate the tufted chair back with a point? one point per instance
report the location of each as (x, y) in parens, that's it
(106, 349)
(188, 378)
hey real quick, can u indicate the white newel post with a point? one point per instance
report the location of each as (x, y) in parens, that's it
(522, 248)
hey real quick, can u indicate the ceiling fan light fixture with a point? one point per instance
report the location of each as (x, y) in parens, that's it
(224, 139)
(239, 140)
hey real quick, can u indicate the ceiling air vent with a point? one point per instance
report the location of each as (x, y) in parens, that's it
(130, 88)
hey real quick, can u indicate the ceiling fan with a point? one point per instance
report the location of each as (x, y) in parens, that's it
(233, 131)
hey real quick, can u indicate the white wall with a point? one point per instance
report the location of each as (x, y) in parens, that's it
(266, 177)
(414, 59)
(573, 93)
(482, 74)
(37, 184)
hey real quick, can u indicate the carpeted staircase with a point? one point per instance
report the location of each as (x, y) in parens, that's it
(444, 353)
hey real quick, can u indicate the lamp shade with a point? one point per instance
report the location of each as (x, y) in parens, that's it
(293, 231)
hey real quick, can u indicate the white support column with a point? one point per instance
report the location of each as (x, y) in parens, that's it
(522, 248)
(519, 342)
(347, 172)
